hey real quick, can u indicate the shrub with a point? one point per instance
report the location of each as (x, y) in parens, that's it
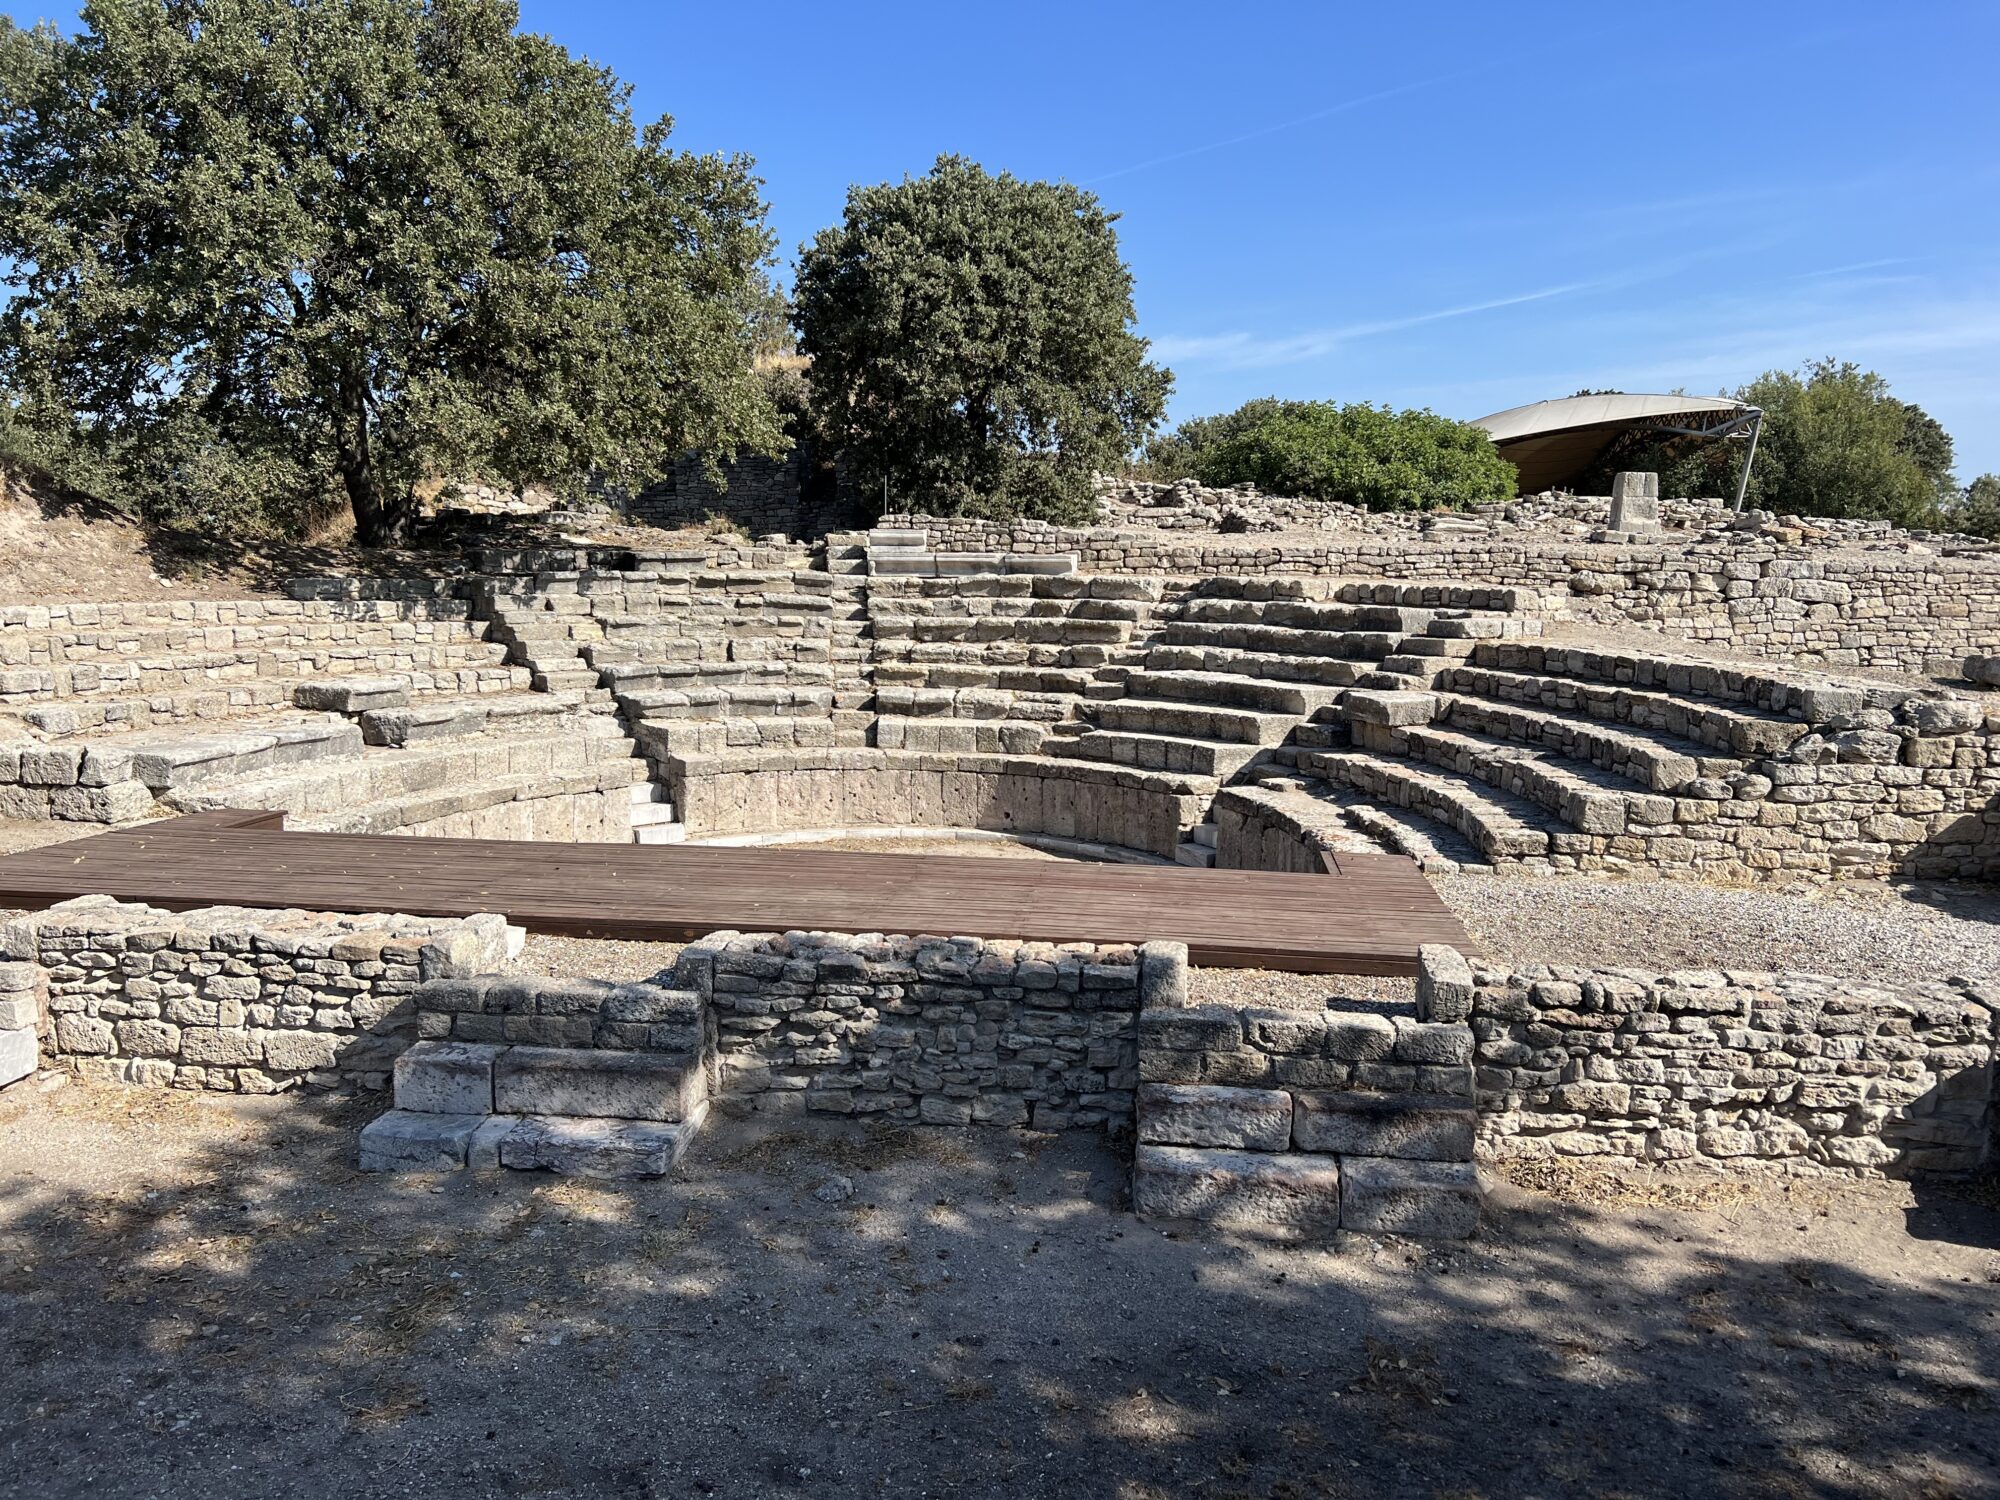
(1358, 454)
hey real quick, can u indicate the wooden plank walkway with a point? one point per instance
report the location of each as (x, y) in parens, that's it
(1367, 918)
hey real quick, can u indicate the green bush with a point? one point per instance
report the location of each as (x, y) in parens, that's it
(1358, 454)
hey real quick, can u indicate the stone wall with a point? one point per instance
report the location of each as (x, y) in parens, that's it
(1729, 1069)
(235, 999)
(781, 791)
(946, 1031)
(1308, 1119)
(1900, 610)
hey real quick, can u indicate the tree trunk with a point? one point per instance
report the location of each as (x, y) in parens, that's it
(378, 521)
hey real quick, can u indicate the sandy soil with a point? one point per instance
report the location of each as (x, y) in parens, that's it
(202, 1298)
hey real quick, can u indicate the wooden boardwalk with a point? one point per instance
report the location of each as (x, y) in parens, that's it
(1366, 917)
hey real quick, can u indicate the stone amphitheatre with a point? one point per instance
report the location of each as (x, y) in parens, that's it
(1702, 707)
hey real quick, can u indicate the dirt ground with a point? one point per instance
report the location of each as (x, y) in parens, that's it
(202, 1298)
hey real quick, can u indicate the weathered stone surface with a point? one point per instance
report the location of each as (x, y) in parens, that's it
(617, 1147)
(18, 1055)
(585, 1082)
(1246, 1189)
(446, 1078)
(1421, 1199)
(1199, 1115)
(406, 1141)
(1422, 1127)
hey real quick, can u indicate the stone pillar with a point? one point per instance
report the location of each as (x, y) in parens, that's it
(1635, 505)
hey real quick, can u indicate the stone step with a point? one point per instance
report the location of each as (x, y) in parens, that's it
(1500, 825)
(1034, 630)
(1147, 752)
(1652, 759)
(564, 679)
(412, 1141)
(660, 833)
(174, 761)
(1198, 856)
(1730, 728)
(1347, 645)
(1184, 720)
(433, 805)
(1321, 671)
(728, 701)
(1263, 695)
(1307, 615)
(451, 718)
(352, 786)
(1585, 798)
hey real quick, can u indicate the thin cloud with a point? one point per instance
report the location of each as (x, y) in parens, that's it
(1360, 101)
(1248, 351)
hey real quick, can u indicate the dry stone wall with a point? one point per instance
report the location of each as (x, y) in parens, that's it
(943, 1031)
(233, 999)
(1728, 1069)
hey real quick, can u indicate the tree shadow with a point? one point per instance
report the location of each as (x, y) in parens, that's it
(209, 1299)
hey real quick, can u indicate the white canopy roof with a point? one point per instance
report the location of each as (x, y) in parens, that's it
(1552, 443)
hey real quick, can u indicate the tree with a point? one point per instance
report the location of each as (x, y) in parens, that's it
(1977, 511)
(1834, 443)
(1359, 454)
(971, 343)
(262, 246)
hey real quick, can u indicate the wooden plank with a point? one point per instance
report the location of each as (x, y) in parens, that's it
(1368, 916)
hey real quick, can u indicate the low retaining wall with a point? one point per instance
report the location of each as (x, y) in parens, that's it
(778, 791)
(946, 1031)
(1724, 1068)
(234, 999)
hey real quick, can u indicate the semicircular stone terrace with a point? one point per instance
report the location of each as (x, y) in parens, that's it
(1248, 721)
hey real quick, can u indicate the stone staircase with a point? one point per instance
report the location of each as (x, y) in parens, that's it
(1247, 673)
(580, 1077)
(1534, 754)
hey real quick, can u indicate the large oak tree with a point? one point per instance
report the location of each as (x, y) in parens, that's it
(971, 344)
(268, 250)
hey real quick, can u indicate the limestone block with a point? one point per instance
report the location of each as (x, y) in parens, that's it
(1433, 1042)
(300, 1051)
(579, 1081)
(1417, 1127)
(446, 1078)
(587, 1147)
(1392, 709)
(1248, 1189)
(406, 1141)
(1360, 1037)
(352, 695)
(482, 1152)
(1422, 1199)
(18, 1055)
(18, 1012)
(1444, 984)
(1199, 1115)
(84, 1036)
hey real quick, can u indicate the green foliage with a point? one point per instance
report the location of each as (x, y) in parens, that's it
(971, 344)
(1834, 443)
(1358, 454)
(265, 248)
(1977, 511)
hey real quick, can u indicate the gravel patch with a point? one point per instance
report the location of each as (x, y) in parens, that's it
(1878, 933)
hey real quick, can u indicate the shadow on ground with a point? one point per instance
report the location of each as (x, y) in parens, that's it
(206, 1300)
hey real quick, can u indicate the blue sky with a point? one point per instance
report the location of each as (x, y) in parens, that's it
(1457, 206)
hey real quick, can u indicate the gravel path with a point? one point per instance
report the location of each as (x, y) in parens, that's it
(1880, 933)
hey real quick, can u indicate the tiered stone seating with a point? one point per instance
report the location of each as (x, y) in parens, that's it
(1547, 753)
(991, 664)
(1247, 666)
(569, 777)
(113, 711)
